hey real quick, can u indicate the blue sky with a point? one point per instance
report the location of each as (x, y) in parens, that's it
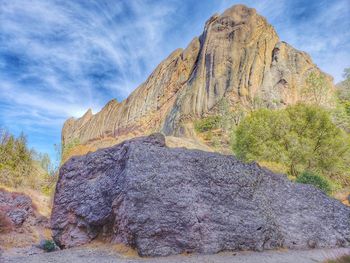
(58, 58)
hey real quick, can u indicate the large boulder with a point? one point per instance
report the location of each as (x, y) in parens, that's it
(164, 201)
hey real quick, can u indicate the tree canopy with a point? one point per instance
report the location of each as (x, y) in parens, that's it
(300, 137)
(23, 167)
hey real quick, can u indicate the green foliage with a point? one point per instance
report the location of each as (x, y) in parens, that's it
(346, 105)
(15, 159)
(299, 137)
(315, 180)
(216, 129)
(230, 116)
(49, 246)
(207, 123)
(341, 115)
(344, 86)
(65, 149)
(23, 167)
(317, 89)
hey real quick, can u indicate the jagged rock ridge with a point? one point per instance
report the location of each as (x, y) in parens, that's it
(164, 201)
(239, 57)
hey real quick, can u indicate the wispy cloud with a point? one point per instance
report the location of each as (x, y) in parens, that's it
(59, 58)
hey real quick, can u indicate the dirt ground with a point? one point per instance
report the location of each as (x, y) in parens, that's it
(99, 253)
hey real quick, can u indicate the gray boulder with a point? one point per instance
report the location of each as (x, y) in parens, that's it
(15, 208)
(163, 201)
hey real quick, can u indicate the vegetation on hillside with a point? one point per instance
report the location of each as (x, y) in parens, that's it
(317, 89)
(341, 114)
(344, 87)
(208, 123)
(216, 129)
(300, 138)
(23, 167)
(308, 142)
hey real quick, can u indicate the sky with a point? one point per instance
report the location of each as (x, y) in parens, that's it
(59, 58)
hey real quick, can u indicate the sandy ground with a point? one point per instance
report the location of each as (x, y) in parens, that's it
(104, 254)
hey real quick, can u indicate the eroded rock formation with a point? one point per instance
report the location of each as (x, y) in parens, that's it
(239, 57)
(163, 201)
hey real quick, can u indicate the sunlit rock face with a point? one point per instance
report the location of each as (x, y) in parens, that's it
(238, 57)
(164, 201)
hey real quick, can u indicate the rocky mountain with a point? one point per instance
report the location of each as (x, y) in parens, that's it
(163, 201)
(239, 57)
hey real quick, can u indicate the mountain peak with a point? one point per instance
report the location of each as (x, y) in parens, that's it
(239, 57)
(239, 12)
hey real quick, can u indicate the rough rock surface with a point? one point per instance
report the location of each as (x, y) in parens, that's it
(19, 220)
(163, 201)
(239, 56)
(15, 208)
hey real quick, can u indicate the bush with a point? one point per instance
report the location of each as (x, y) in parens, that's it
(299, 138)
(315, 180)
(49, 245)
(207, 124)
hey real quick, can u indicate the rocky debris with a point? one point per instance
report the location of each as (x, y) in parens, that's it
(163, 201)
(18, 219)
(15, 208)
(239, 57)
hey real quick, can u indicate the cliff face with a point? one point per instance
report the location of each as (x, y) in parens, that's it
(238, 57)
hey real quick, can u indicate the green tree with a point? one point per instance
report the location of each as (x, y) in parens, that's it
(341, 113)
(230, 116)
(300, 137)
(317, 89)
(344, 90)
(23, 167)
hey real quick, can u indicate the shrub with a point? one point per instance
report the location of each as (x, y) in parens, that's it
(300, 137)
(207, 123)
(315, 180)
(49, 245)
